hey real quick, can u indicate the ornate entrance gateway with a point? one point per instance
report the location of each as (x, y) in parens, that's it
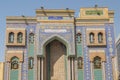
(55, 61)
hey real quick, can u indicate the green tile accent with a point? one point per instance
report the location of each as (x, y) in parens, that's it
(98, 74)
(14, 75)
(31, 54)
(94, 12)
(80, 74)
(31, 50)
(79, 54)
(79, 50)
(30, 74)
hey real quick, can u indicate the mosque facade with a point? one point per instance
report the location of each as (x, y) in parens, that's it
(56, 45)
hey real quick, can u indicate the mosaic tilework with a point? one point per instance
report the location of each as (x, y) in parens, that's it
(14, 74)
(67, 36)
(79, 50)
(29, 29)
(109, 51)
(24, 66)
(87, 70)
(55, 18)
(98, 74)
(87, 74)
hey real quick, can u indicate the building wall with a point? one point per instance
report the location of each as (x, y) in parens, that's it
(1, 71)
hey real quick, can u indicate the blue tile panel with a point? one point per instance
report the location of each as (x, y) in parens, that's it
(109, 50)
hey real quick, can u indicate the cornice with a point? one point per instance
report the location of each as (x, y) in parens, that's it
(20, 19)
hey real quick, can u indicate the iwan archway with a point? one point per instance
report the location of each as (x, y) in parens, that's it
(55, 59)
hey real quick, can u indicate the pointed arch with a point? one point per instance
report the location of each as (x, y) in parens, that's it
(11, 37)
(100, 37)
(97, 62)
(55, 37)
(80, 63)
(78, 37)
(30, 62)
(31, 38)
(20, 37)
(91, 37)
(14, 62)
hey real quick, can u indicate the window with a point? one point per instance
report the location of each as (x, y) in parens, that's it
(19, 37)
(78, 38)
(97, 62)
(14, 63)
(11, 37)
(80, 63)
(100, 37)
(30, 64)
(91, 38)
(31, 38)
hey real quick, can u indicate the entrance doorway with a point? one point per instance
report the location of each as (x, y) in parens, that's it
(55, 63)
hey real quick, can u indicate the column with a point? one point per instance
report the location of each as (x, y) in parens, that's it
(72, 68)
(38, 68)
(69, 70)
(20, 69)
(103, 70)
(42, 68)
(9, 67)
(6, 77)
(76, 70)
(7, 70)
(92, 73)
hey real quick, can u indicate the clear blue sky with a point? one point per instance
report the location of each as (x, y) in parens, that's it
(28, 7)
